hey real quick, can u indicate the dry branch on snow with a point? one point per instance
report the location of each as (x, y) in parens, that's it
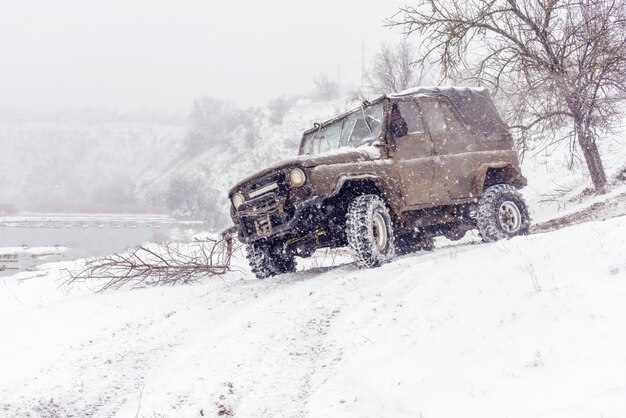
(158, 264)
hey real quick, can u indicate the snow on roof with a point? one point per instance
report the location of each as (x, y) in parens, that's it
(474, 103)
(437, 90)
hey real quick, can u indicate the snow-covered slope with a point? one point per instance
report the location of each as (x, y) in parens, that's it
(527, 327)
(533, 326)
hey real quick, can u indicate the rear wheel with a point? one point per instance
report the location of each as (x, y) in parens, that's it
(502, 213)
(369, 231)
(264, 263)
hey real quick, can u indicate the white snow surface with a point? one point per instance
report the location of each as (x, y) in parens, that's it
(33, 251)
(529, 327)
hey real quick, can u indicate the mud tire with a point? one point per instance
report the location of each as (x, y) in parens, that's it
(502, 213)
(264, 263)
(369, 231)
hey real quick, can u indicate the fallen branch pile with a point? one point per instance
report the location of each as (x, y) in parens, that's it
(158, 264)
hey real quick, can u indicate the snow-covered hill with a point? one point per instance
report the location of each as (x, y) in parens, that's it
(533, 326)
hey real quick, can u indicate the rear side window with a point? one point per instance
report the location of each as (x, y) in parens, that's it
(440, 118)
(448, 133)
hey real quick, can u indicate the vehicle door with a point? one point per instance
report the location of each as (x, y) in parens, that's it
(412, 152)
(453, 145)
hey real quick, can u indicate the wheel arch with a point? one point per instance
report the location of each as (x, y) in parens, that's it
(348, 187)
(362, 183)
(497, 173)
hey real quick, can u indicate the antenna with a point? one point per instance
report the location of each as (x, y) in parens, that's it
(339, 75)
(363, 65)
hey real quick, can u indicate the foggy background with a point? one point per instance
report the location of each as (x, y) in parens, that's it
(161, 55)
(160, 106)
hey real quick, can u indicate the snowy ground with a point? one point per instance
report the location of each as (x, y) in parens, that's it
(533, 326)
(530, 327)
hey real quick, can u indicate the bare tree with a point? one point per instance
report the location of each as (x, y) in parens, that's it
(557, 60)
(325, 89)
(394, 68)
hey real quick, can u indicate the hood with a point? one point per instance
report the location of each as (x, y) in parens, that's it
(338, 156)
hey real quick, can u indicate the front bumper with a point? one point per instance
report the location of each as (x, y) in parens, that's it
(274, 222)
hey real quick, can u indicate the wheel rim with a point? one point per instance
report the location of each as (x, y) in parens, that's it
(379, 230)
(509, 217)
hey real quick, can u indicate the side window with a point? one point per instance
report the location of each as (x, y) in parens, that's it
(405, 119)
(440, 118)
(411, 114)
(446, 130)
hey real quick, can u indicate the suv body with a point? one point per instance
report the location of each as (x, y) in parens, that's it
(425, 157)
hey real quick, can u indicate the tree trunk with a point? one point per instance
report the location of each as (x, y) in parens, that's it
(592, 158)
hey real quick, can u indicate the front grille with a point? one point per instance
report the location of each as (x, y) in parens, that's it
(262, 190)
(263, 226)
(256, 188)
(262, 205)
(267, 208)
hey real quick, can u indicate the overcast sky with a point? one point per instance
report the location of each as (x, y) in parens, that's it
(151, 54)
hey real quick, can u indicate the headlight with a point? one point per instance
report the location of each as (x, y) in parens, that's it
(237, 200)
(297, 178)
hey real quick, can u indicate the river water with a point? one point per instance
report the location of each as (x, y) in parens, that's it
(29, 240)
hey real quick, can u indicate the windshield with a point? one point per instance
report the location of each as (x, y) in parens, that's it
(357, 128)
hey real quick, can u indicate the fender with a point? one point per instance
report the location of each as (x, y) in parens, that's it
(391, 195)
(341, 180)
(510, 175)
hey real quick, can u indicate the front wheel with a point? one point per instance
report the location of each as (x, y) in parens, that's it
(502, 213)
(369, 231)
(264, 263)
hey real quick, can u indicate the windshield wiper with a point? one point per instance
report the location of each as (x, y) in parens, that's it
(365, 119)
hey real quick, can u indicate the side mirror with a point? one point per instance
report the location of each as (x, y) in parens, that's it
(398, 128)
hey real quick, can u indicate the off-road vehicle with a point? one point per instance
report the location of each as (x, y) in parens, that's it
(385, 178)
